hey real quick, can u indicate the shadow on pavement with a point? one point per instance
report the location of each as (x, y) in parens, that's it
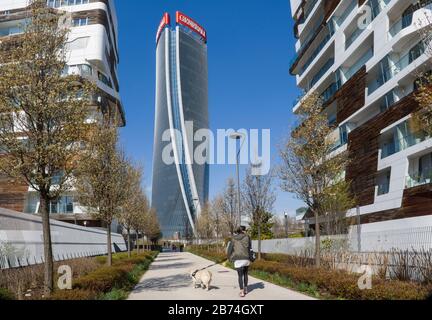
(157, 266)
(169, 259)
(256, 286)
(164, 284)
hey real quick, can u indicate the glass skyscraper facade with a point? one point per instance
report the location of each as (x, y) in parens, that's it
(180, 189)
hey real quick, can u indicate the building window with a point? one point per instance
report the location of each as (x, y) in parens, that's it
(104, 79)
(383, 183)
(64, 3)
(416, 51)
(79, 69)
(79, 22)
(64, 205)
(387, 101)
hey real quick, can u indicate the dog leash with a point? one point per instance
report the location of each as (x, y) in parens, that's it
(215, 264)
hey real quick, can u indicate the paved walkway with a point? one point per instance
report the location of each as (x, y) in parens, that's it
(168, 279)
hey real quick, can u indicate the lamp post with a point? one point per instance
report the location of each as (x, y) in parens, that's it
(286, 224)
(238, 136)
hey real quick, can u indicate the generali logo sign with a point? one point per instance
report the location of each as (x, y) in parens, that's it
(191, 24)
(166, 21)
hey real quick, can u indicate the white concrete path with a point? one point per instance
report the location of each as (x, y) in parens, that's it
(168, 279)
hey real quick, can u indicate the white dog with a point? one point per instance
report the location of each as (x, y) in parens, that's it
(202, 279)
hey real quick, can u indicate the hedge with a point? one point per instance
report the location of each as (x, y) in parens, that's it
(122, 276)
(344, 285)
(298, 273)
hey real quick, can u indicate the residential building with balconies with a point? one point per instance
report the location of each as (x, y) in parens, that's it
(92, 53)
(364, 57)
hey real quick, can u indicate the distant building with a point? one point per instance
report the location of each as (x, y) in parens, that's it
(180, 189)
(93, 54)
(367, 75)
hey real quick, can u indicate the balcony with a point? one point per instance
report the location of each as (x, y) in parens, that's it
(376, 6)
(397, 145)
(359, 64)
(417, 179)
(407, 20)
(389, 69)
(330, 91)
(316, 52)
(321, 72)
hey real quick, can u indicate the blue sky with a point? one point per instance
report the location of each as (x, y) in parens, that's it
(250, 46)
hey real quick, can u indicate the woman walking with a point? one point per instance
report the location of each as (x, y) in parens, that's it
(239, 250)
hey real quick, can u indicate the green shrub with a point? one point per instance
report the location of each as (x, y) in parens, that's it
(341, 284)
(116, 294)
(6, 295)
(109, 283)
(103, 279)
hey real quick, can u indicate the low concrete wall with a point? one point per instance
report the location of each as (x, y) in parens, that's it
(21, 240)
(407, 239)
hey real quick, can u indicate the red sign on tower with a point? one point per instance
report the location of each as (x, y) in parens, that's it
(166, 21)
(191, 24)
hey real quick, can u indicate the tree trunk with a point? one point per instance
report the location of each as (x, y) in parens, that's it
(128, 242)
(137, 242)
(48, 253)
(317, 242)
(109, 246)
(259, 241)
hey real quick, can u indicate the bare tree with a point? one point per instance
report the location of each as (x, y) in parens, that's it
(131, 209)
(102, 178)
(43, 113)
(142, 209)
(258, 198)
(152, 228)
(216, 216)
(205, 223)
(228, 206)
(308, 170)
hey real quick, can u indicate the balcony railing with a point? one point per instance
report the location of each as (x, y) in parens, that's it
(346, 13)
(316, 52)
(309, 9)
(360, 63)
(376, 10)
(395, 146)
(322, 71)
(419, 179)
(391, 71)
(334, 23)
(330, 91)
(405, 21)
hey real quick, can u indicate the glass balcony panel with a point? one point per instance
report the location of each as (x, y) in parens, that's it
(395, 146)
(417, 179)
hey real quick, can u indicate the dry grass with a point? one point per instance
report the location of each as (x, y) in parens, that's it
(29, 280)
